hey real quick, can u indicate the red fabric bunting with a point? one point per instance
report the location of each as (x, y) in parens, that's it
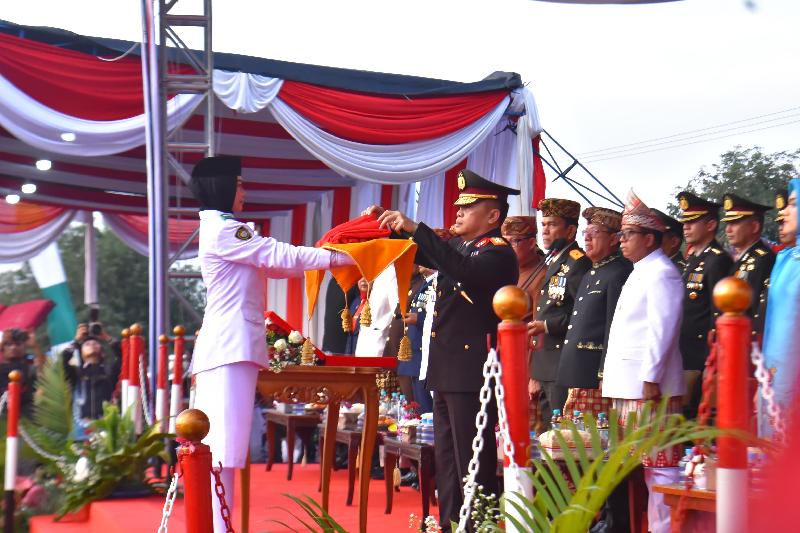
(26, 216)
(375, 119)
(179, 229)
(74, 83)
(451, 193)
(539, 178)
(359, 229)
(294, 288)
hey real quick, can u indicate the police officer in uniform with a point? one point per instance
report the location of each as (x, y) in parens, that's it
(673, 239)
(230, 350)
(566, 265)
(706, 264)
(581, 366)
(744, 223)
(472, 267)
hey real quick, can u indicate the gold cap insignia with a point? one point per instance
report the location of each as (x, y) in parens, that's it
(462, 183)
(727, 204)
(684, 203)
(780, 203)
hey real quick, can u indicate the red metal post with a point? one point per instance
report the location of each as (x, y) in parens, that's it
(176, 394)
(194, 459)
(134, 383)
(732, 296)
(12, 447)
(162, 412)
(125, 346)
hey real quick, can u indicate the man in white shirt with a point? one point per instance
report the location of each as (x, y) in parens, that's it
(643, 359)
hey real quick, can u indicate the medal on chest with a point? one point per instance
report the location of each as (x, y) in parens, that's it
(557, 287)
(694, 281)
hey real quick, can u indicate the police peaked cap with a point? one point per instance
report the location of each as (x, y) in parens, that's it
(674, 226)
(474, 188)
(694, 207)
(737, 208)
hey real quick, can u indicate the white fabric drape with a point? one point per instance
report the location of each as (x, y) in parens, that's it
(362, 195)
(395, 163)
(243, 92)
(41, 126)
(528, 127)
(430, 208)
(137, 241)
(21, 246)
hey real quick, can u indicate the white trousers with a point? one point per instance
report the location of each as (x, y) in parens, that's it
(226, 394)
(658, 517)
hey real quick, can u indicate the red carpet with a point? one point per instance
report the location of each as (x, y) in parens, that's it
(267, 503)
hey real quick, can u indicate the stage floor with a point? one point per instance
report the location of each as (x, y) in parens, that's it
(267, 504)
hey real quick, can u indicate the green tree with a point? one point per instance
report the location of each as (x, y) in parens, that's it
(749, 173)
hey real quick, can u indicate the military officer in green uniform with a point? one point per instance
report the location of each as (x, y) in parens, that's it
(744, 223)
(472, 267)
(673, 239)
(566, 265)
(706, 264)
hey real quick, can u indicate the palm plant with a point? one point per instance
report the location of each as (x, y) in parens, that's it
(51, 421)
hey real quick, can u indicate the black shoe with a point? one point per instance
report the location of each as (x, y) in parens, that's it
(408, 479)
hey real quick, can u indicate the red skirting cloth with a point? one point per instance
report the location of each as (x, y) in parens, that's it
(587, 401)
(664, 458)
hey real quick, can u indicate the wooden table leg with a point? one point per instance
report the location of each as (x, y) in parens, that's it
(290, 447)
(329, 451)
(389, 461)
(352, 458)
(270, 444)
(367, 446)
(245, 527)
(425, 474)
(321, 447)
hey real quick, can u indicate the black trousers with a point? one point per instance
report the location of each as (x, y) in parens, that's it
(453, 430)
(553, 397)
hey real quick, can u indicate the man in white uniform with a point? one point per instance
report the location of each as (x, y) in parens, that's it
(231, 347)
(643, 360)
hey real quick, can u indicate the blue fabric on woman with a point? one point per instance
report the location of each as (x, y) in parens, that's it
(782, 328)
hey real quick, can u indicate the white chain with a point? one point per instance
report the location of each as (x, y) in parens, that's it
(32, 443)
(500, 394)
(774, 414)
(172, 492)
(143, 391)
(3, 401)
(477, 442)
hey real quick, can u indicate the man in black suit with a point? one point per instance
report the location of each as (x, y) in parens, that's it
(581, 365)
(673, 239)
(744, 222)
(706, 264)
(566, 266)
(472, 267)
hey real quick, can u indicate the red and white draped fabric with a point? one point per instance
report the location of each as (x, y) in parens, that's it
(132, 230)
(27, 229)
(313, 155)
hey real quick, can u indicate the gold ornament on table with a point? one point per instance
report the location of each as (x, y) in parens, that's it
(404, 352)
(347, 320)
(307, 355)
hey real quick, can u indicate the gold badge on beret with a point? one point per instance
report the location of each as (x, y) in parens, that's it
(780, 202)
(461, 182)
(727, 205)
(243, 233)
(684, 203)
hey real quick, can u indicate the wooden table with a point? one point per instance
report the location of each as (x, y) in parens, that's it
(332, 385)
(702, 502)
(302, 424)
(423, 455)
(352, 439)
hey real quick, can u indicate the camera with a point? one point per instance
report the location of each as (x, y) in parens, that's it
(95, 327)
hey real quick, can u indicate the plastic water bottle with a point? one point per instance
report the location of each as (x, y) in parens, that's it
(534, 448)
(686, 459)
(602, 428)
(577, 419)
(555, 420)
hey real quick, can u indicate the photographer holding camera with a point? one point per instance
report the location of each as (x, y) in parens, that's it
(92, 375)
(14, 345)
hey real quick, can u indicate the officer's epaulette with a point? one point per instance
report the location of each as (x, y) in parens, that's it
(716, 250)
(576, 254)
(499, 241)
(483, 242)
(761, 251)
(226, 216)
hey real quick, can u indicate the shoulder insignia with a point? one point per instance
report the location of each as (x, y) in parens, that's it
(243, 233)
(717, 251)
(226, 216)
(483, 242)
(576, 254)
(499, 241)
(761, 252)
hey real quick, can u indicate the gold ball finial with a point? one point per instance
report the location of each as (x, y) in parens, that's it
(178, 331)
(192, 425)
(732, 295)
(125, 333)
(163, 339)
(136, 329)
(511, 303)
(15, 376)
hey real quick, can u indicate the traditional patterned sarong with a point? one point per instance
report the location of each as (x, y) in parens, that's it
(664, 458)
(587, 401)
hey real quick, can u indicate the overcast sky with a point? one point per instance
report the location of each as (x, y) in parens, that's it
(603, 76)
